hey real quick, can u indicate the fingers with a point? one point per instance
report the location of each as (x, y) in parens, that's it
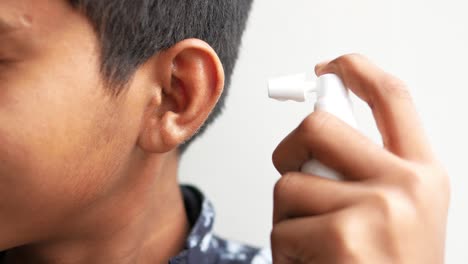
(331, 238)
(298, 194)
(337, 145)
(291, 239)
(390, 102)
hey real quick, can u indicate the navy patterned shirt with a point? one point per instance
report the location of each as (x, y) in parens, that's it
(202, 245)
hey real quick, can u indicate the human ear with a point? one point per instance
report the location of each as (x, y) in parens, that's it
(189, 80)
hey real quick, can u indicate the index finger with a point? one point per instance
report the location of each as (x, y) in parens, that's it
(390, 102)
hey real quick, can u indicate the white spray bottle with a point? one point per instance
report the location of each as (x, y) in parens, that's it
(332, 97)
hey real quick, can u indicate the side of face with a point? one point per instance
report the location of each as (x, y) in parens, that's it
(63, 139)
(65, 142)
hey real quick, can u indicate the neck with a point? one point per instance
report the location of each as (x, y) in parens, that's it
(143, 222)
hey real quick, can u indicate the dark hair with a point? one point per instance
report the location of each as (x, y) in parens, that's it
(132, 31)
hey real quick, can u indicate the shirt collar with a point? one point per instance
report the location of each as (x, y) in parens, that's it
(203, 246)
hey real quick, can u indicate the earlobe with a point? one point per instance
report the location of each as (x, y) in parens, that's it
(191, 78)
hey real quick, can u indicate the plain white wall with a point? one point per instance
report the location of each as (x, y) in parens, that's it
(425, 43)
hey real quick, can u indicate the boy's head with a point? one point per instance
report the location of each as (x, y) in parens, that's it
(132, 31)
(90, 87)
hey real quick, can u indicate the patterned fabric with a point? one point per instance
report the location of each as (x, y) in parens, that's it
(204, 247)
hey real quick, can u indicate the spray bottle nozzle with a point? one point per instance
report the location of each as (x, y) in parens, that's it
(332, 97)
(293, 87)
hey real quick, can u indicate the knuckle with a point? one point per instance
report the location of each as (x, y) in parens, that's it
(425, 180)
(279, 154)
(382, 202)
(393, 86)
(390, 206)
(342, 232)
(339, 228)
(275, 238)
(443, 182)
(283, 249)
(276, 158)
(277, 243)
(348, 257)
(314, 124)
(348, 60)
(420, 183)
(282, 187)
(412, 181)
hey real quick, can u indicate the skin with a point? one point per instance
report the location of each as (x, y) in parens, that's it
(391, 206)
(87, 177)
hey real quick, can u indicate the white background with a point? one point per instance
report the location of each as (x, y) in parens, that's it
(425, 43)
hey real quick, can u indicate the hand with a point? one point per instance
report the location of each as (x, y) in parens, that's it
(391, 207)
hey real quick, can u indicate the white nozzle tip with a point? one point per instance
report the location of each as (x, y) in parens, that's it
(292, 87)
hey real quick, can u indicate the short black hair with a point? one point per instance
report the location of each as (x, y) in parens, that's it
(132, 31)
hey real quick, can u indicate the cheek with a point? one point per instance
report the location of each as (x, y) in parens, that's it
(63, 143)
(58, 149)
